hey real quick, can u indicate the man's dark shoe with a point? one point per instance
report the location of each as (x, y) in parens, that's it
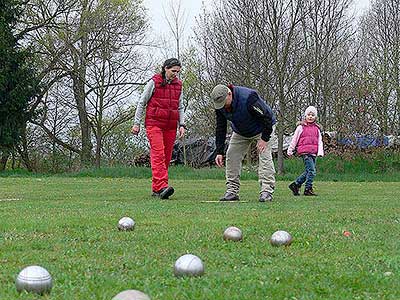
(164, 193)
(229, 197)
(309, 192)
(265, 196)
(295, 188)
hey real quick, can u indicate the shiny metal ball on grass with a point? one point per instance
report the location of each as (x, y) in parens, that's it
(233, 234)
(281, 238)
(34, 279)
(126, 224)
(131, 295)
(188, 265)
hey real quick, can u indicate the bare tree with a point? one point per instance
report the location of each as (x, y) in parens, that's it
(279, 28)
(112, 74)
(73, 41)
(326, 32)
(59, 118)
(176, 18)
(381, 40)
(287, 49)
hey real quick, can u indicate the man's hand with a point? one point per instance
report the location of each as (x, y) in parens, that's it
(261, 145)
(219, 160)
(135, 129)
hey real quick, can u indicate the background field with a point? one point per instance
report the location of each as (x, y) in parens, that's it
(68, 226)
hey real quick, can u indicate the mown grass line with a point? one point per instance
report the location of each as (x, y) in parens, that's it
(68, 225)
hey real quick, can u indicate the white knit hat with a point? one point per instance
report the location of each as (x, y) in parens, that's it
(310, 109)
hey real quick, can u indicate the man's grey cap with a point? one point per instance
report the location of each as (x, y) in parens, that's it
(218, 95)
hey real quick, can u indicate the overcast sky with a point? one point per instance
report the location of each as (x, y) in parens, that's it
(156, 8)
(192, 10)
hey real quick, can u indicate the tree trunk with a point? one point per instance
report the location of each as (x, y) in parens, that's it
(98, 149)
(53, 158)
(54, 166)
(80, 99)
(281, 167)
(70, 163)
(13, 160)
(184, 151)
(79, 78)
(280, 126)
(4, 158)
(23, 152)
(397, 124)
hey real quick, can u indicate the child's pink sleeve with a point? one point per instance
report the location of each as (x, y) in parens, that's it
(295, 139)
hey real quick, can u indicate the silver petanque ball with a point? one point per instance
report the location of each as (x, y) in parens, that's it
(233, 234)
(126, 224)
(281, 238)
(131, 295)
(188, 265)
(34, 279)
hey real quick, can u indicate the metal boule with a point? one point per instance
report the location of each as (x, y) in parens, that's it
(233, 234)
(281, 238)
(131, 295)
(34, 279)
(188, 265)
(126, 224)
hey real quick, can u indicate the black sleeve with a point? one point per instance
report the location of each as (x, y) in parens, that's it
(220, 132)
(259, 110)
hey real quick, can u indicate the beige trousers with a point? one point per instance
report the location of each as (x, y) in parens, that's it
(237, 149)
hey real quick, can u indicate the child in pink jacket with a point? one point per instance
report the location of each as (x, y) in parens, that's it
(307, 140)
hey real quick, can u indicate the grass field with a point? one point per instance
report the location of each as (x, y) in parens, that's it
(69, 226)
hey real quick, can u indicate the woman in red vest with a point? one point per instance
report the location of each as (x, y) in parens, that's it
(162, 98)
(307, 141)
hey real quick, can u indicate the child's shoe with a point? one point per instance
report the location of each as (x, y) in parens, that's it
(295, 188)
(309, 192)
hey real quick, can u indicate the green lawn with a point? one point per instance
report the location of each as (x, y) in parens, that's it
(69, 226)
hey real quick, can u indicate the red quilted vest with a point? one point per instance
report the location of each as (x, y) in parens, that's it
(308, 141)
(162, 108)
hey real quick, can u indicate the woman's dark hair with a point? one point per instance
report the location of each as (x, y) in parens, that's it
(169, 63)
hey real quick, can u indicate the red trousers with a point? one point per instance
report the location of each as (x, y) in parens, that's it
(161, 145)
